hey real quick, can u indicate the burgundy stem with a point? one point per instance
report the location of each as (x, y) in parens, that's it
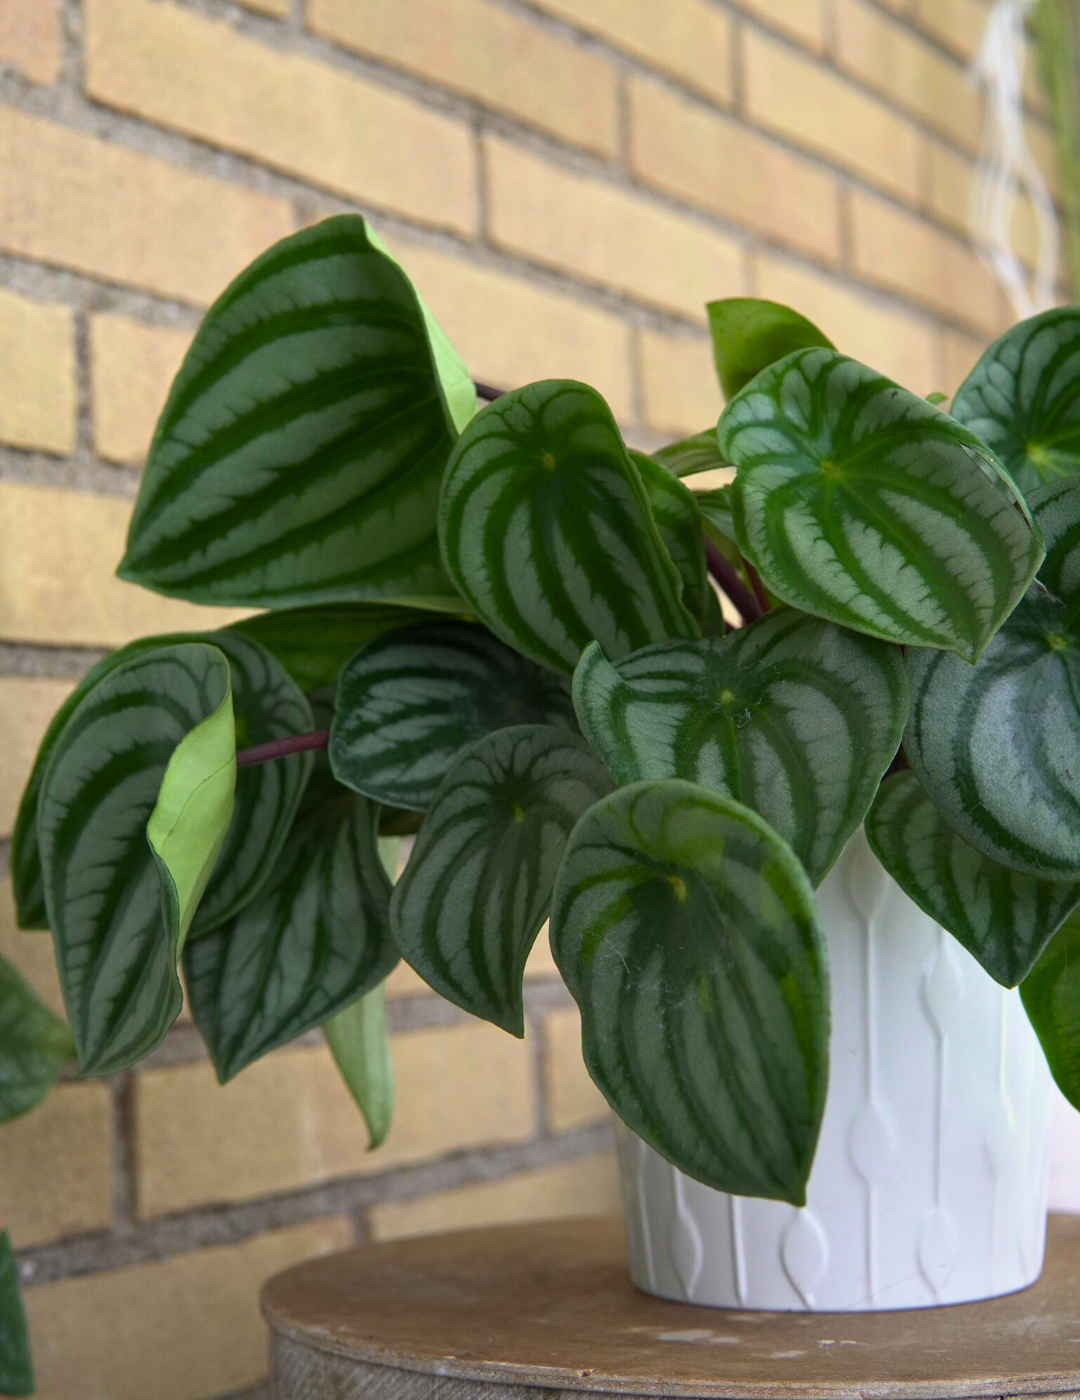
(724, 573)
(486, 391)
(281, 748)
(755, 583)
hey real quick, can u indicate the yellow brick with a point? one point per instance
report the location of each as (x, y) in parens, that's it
(58, 550)
(949, 194)
(131, 367)
(589, 1186)
(30, 38)
(572, 1098)
(73, 200)
(902, 252)
(507, 61)
(803, 19)
(607, 235)
(37, 374)
(512, 332)
(307, 118)
(722, 166)
(889, 57)
(895, 341)
(27, 704)
(180, 1328)
(960, 354)
(32, 953)
(958, 24)
(822, 111)
(680, 392)
(693, 41)
(56, 1166)
(287, 1121)
(1043, 147)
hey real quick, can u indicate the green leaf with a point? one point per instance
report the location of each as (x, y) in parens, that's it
(688, 456)
(1056, 509)
(547, 530)
(16, 1364)
(410, 702)
(864, 504)
(35, 1045)
(298, 457)
(715, 507)
(749, 335)
(361, 1050)
(997, 745)
(115, 956)
(793, 717)
(478, 884)
(1023, 397)
(675, 510)
(1003, 918)
(688, 934)
(1051, 996)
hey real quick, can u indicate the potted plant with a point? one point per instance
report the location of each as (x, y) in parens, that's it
(496, 629)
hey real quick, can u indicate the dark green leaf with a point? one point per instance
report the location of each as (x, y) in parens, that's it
(678, 519)
(688, 934)
(688, 456)
(361, 1050)
(35, 1045)
(547, 530)
(715, 507)
(1051, 996)
(749, 335)
(478, 884)
(16, 1365)
(864, 504)
(1002, 918)
(1056, 509)
(299, 454)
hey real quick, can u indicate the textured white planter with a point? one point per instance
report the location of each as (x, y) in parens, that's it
(929, 1183)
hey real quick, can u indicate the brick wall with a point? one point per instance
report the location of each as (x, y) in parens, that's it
(568, 181)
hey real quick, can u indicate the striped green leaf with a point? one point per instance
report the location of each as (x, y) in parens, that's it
(1056, 509)
(688, 934)
(116, 938)
(715, 507)
(997, 745)
(316, 938)
(16, 1364)
(791, 716)
(1023, 397)
(1051, 996)
(478, 884)
(1003, 918)
(688, 456)
(298, 457)
(864, 504)
(35, 1045)
(547, 530)
(675, 510)
(410, 702)
(361, 1049)
(748, 335)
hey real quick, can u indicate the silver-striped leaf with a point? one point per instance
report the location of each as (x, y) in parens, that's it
(116, 945)
(547, 530)
(675, 510)
(1056, 509)
(35, 1045)
(749, 334)
(715, 508)
(997, 745)
(410, 702)
(478, 884)
(1051, 996)
(688, 934)
(298, 457)
(1023, 397)
(1004, 919)
(791, 716)
(864, 504)
(16, 1362)
(688, 456)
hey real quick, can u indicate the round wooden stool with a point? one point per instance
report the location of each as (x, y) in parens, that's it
(520, 1312)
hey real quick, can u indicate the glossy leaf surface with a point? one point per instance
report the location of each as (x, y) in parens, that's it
(791, 716)
(299, 454)
(715, 507)
(35, 1045)
(361, 1049)
(1056, 508)
(864, 504)
(1003, 918)
(678, 519)
(688, 456)
(478, 884)
(748, 335)
(688, 934)
(16, 1365)
(1051, 997)
(547, 530)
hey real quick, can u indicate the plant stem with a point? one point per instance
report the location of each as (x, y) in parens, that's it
(755, 582)
(486, 391)
(724, 573)
(281, 748)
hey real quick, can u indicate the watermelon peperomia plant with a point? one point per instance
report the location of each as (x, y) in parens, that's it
(497, 629)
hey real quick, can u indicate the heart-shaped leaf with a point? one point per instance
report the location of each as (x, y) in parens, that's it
(688, 456)
(410, 702)
(117, 939)
(1023, 397)
(864, 504)
(1051, 996)
(35, 1045)
(1003, 918)
(547, 530)
(16, 1365)
(792, 716)
(749, 334)
(688, 934)
(360, 1046)
(478, 884)
(678, 519)
(997, 745)
(299, 454)
(1056, 509)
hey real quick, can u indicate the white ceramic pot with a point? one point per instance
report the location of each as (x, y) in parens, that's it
(929, 1183)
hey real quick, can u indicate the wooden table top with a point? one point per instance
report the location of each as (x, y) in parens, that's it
(551, 1305)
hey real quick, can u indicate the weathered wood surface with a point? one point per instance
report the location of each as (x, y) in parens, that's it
(520, 1312)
